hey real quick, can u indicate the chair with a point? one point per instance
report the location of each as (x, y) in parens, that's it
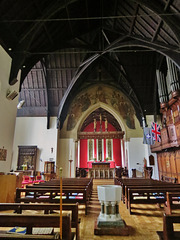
(38, 179)
(26, 181)
(83, 172)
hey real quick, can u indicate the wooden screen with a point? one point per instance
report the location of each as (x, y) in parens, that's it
(169, 164)
(178, 164)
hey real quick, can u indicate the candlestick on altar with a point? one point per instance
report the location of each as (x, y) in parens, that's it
(70, 166)
(100, 119)
(95, 123)
(60, 174)
(106, 124)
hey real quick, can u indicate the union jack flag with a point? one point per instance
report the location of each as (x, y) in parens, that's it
(156, 131)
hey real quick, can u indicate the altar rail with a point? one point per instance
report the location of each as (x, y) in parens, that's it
(102, 173)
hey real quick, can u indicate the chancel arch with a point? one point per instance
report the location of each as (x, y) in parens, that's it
(100, 138)
(121, 119)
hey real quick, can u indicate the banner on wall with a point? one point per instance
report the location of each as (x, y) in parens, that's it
(148, 136)
(3, 154)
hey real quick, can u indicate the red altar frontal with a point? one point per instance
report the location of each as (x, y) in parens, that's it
(101, 170)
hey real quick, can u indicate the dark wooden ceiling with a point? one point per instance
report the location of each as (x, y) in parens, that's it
(62, 47)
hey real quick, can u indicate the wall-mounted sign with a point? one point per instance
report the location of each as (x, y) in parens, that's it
(3, 154)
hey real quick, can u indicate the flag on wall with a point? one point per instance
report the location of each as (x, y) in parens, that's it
(156, 132)
(147, 136)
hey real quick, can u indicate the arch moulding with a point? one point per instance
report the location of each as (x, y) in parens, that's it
(105, 107)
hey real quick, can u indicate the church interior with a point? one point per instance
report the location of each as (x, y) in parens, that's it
(90, 119)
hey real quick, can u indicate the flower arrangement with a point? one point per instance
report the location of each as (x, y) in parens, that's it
(94, 159)
(24, 167)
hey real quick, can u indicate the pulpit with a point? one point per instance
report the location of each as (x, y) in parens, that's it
(101, 170)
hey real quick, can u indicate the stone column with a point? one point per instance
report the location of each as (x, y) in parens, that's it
(107, 213)
(117, 210)
(102, 209)
(123, 153)
(76, 153)
(113, 210)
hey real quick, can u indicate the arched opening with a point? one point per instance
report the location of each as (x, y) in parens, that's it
(100, 139)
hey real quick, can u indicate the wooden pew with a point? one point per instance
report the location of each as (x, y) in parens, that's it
(71, 181)
(172, 202)
(47, 208)
(130, 182)
(139, 183)
(151, 195)
(75, 188)
(31, 221)
(169, 179)
(153, 186)
(51, 195)
(168, 229)
(86, 183)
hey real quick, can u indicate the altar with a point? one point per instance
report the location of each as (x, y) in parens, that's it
(101, 170)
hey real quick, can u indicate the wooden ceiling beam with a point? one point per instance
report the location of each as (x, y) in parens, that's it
(155, 7)
(134, 19)
(69, 22)
(48, 13)
(160, 22)
(44, 26)
(24, 43)
(115, 13)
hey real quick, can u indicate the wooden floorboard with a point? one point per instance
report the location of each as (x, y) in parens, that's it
(146, 220)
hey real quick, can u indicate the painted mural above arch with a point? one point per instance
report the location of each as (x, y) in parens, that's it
(107, 95)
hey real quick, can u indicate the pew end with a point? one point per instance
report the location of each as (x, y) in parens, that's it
(36, 221)
(172, 202)
(48, 208)
(168, 228)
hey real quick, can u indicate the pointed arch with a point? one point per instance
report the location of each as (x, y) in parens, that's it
(105, 107)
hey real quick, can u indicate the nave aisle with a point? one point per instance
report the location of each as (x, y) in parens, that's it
(144, 224)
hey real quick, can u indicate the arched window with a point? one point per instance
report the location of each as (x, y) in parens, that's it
(90, 149)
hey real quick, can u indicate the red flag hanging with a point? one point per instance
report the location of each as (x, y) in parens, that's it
(156, 132)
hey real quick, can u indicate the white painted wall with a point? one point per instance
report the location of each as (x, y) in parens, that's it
(137, 151)
(8, 110)
(33, 131)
